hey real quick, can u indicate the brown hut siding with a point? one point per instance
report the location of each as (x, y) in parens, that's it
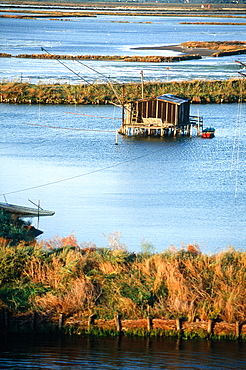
(171, 112)
(184, 112)
(171, 109)
(161, 111)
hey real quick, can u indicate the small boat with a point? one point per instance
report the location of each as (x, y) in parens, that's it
(21, 211)
(208, 133)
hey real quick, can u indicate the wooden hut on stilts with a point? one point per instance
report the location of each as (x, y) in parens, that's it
(165, 115)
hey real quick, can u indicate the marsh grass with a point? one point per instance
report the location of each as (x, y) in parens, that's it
(72, 280)
(198, 91)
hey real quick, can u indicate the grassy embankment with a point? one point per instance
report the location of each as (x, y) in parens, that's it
(57, 283)
(199, 91)
(122, 58)
(221, 48)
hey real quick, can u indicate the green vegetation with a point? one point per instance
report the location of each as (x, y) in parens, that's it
(123, 58)
(13, 229)
(221, 48)
(199, 91)
(59, 278)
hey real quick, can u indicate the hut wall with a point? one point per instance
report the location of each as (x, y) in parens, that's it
(169, 112)
(184, 113)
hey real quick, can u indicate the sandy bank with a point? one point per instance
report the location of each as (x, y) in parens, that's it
(203, 52)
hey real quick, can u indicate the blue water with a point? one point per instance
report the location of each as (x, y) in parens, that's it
(166, 191)
(119, 353)
(163, 191)
(113, 35)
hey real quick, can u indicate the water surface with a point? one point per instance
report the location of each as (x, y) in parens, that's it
(167, 191)
(113, 35)
(119, 353)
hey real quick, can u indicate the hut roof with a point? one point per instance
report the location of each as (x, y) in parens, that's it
(172, 98)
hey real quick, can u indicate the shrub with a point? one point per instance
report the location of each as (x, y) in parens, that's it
(13, 229)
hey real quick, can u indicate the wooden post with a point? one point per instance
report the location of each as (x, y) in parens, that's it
(60, 321)
(149, 323)
(198, 126)
(238, 329)
(176, 115)
(166, 116)
(188, 130)
(91, 321)
(157, 109)
(178, 324)
(142, 81)
(210, 326)
(118, 323)
(123, 104)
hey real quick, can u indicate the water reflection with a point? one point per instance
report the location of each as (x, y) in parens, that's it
(24, 352)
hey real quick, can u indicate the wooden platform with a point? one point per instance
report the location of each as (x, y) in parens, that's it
(165, 115)
(21, 211)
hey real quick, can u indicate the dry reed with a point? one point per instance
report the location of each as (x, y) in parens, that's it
(69, 279)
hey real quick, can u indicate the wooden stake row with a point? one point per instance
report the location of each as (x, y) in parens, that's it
(179, 324)
(5, 323)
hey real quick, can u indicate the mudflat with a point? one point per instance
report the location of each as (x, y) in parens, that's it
(203, 52)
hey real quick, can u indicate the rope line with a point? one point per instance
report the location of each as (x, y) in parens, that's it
(65, 128)
(108, 80)
(70, 69)
(82, 78)
(235, 156)
(86, 173)
(90, 115)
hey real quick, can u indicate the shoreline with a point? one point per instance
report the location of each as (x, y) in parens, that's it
(109, 291)
(37, 322)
